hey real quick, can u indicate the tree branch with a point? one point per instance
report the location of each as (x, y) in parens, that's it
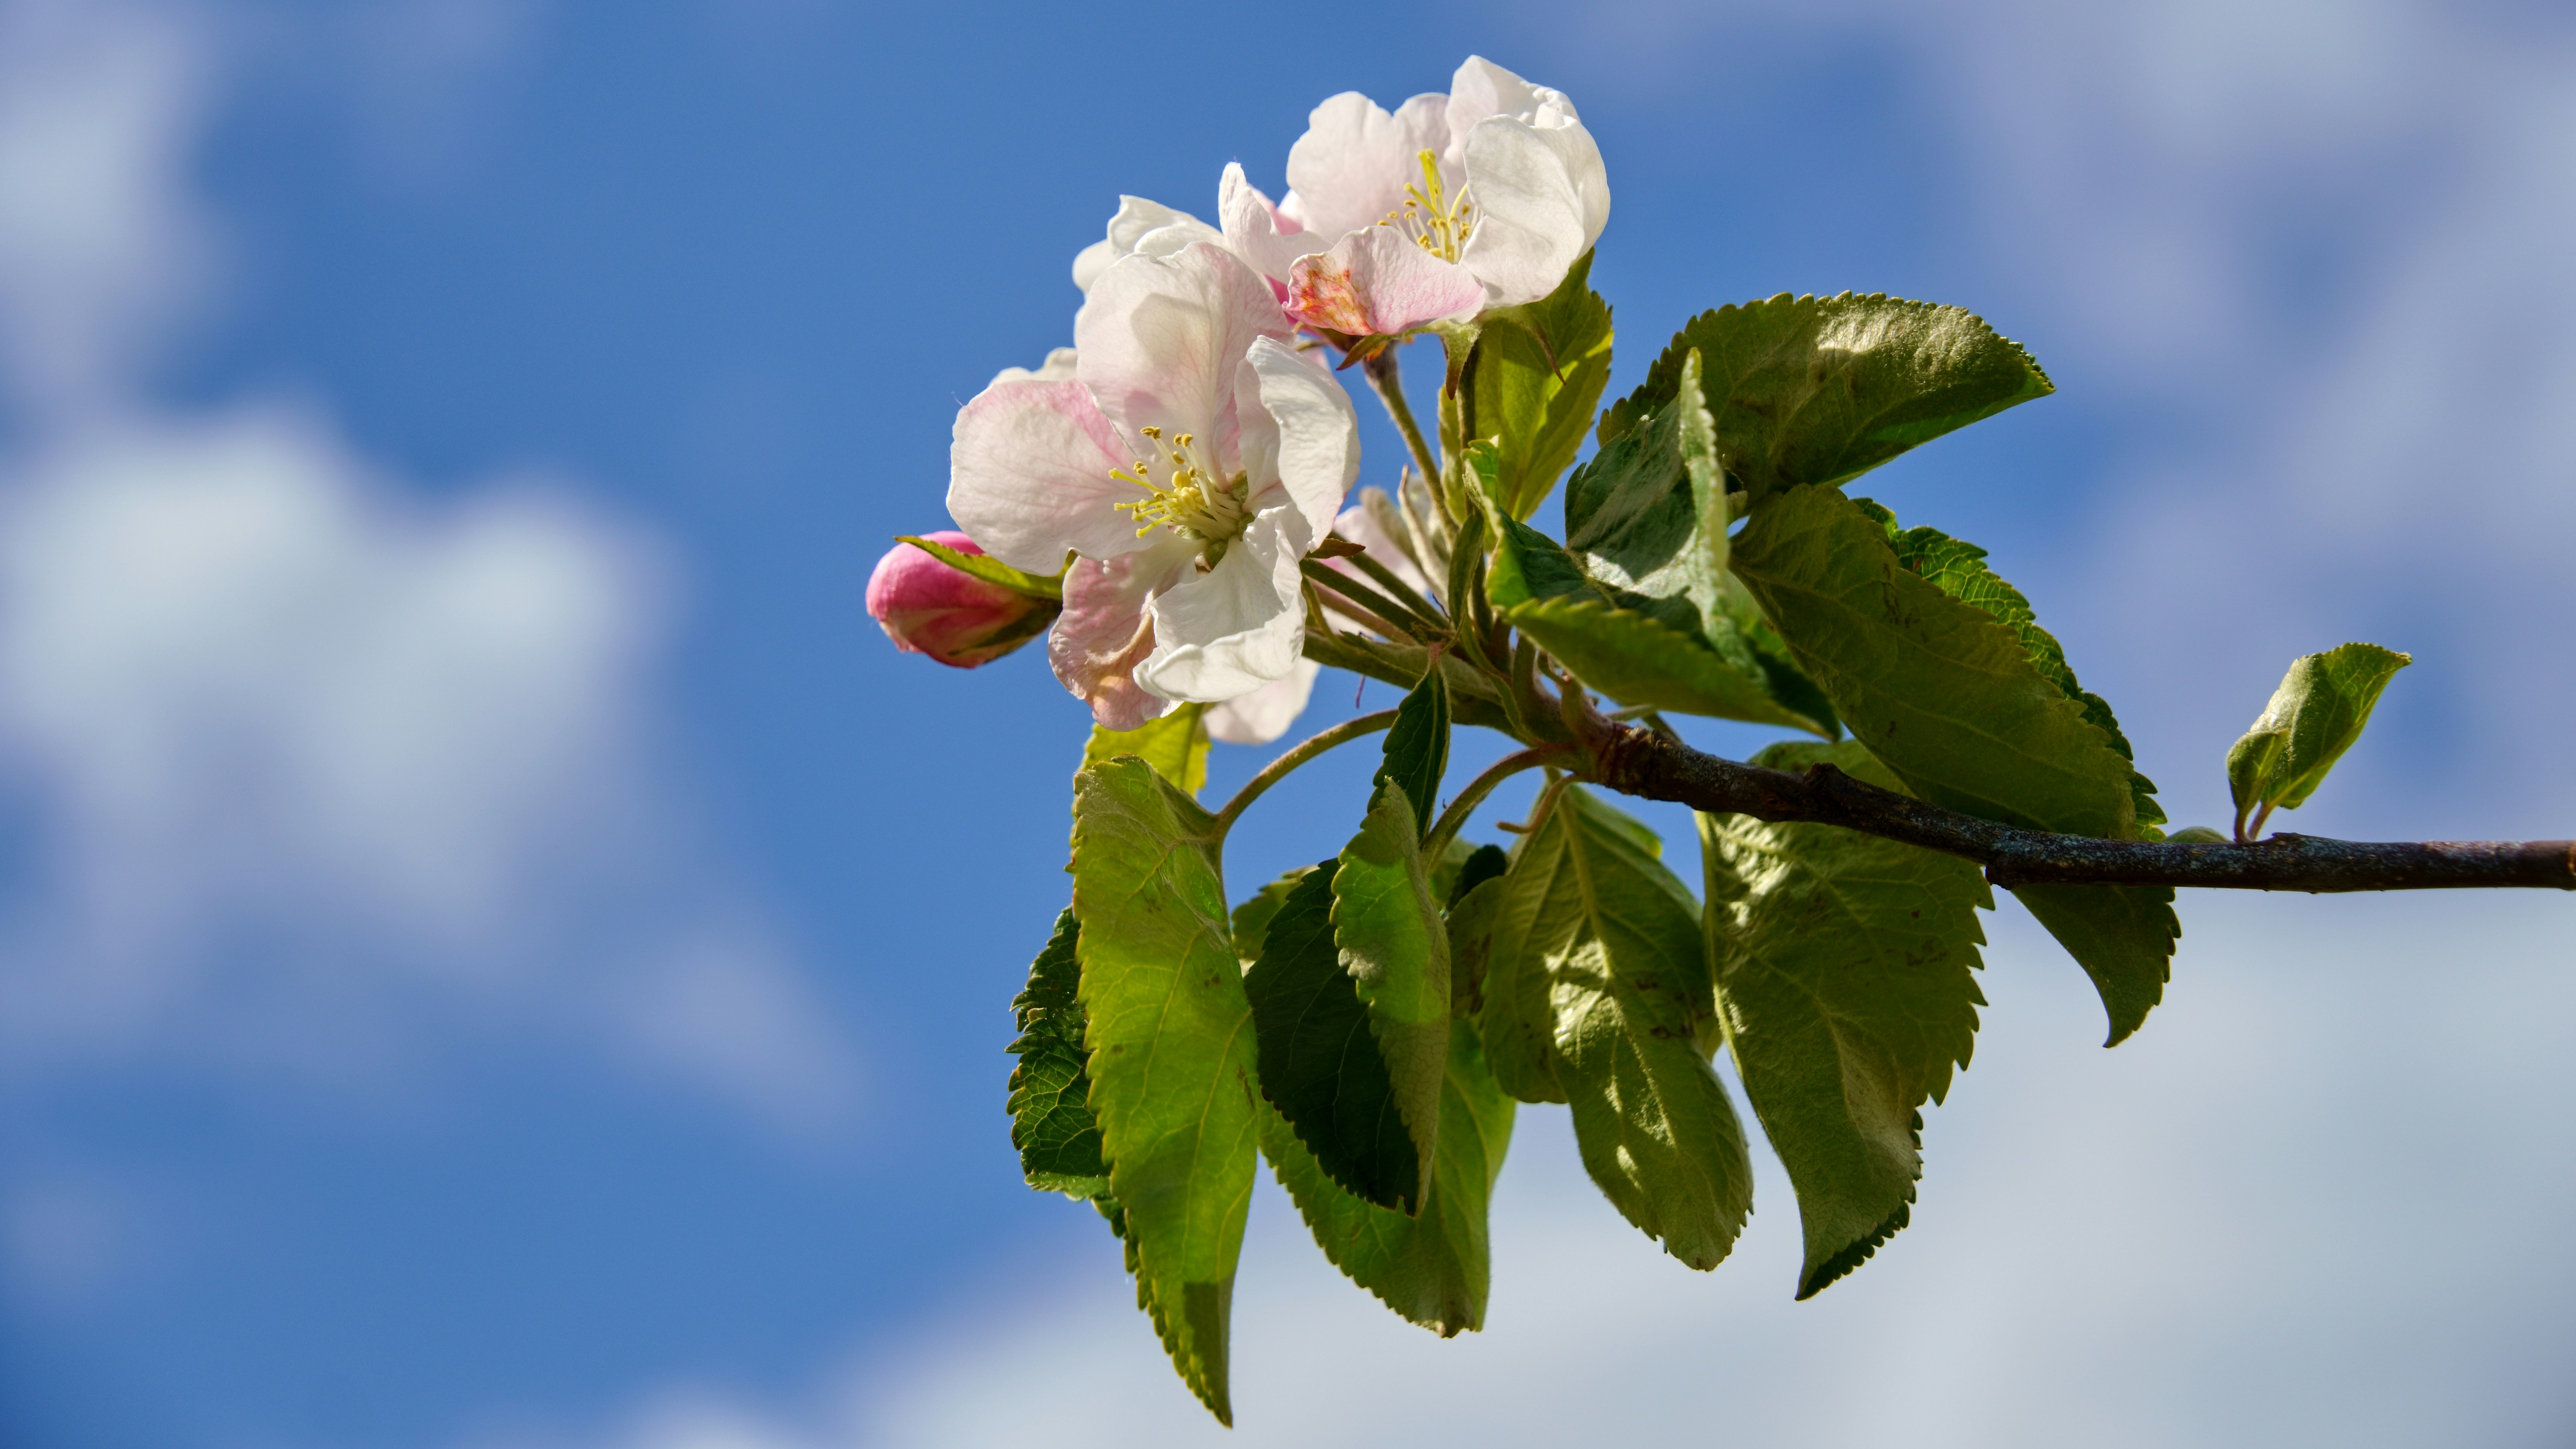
(1638, 762)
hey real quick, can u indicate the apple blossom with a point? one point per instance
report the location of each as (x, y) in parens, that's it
(1446, 207)
(1190, 462)
(927, 607)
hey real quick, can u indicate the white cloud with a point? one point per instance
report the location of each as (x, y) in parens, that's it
(310, 764)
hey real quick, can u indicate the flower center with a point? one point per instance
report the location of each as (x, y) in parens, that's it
(1191, 498)
(1437, 221)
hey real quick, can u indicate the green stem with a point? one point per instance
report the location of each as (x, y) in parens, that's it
(1387, 376)
(1454, 819)
(1279, 769)
(1400, 591)
(1387, 610)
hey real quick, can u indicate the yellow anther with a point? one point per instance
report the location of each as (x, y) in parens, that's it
(1438, 222)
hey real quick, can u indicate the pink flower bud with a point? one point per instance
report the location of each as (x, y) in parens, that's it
(927, 607)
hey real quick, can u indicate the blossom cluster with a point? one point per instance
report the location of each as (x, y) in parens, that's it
(1176, 465)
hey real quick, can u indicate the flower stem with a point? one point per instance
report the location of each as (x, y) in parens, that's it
(1386, 609)
(1387, 376)
(1279, 769)
(1400, 591)
(1454, 819)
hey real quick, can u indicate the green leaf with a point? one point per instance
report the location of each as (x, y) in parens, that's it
(1417, 747)
(1959, 568)
(1656, 494)
(1434, 1268)
(1843, 966)
(1171, 1056)
(1350, 1005)
(1051, 1121)
(1598, 974)
(2320, 709)
(2123, 937)
(1320, 1064)
(991, 570)
(1659, 659)
(1946, 694)
(1252, 918)
(1396, 949)
(1533, 380)
(1176, 745)
(1817, 390)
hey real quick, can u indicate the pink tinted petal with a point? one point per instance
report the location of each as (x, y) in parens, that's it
(1105, 632)
(1542, 198)
(1255, 229)
(1351, 167)
(1266, 713)
(1235, 628)
(1160, 338)
(1378, 283)
(1028, 476)
(1317, 455)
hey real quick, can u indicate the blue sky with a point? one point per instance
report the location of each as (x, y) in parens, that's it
(496, 952)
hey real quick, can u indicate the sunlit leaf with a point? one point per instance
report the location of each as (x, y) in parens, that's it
(1843, 967)
(1176, 745)
(1533, 380)
(1599, 974)
(1820, 389)
(1169, 1033)
(2322, 706)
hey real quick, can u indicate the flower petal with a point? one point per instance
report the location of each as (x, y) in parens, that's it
(1482, 90)
(1317, 454)
(1351, 167)
(1141, 228)
(1376, 282)
(1255, 229)
(1235, 628)
(1266, 713)
(1542, 198)
(1058, 367)
(1028, 476)
(1160, 339)
(1106, 630)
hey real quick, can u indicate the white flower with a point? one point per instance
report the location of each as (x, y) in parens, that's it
(1449, 205)
(1192, 460)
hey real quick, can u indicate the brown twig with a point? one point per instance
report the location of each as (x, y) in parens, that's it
(1639, 762)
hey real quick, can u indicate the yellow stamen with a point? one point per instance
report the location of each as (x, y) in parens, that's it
(1436, 221)
(1194, 500)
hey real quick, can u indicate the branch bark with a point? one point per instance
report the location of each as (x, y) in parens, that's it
(1640, 762)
